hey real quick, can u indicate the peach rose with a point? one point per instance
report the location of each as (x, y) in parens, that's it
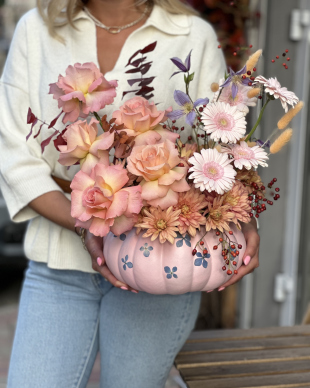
(84, 146)
(141, 119)
(162, 177)
(83, 90)
(100, 202)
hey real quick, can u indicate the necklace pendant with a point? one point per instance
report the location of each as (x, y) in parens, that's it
(114, 30)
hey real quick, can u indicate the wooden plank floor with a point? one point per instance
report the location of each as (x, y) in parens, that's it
(263, 358)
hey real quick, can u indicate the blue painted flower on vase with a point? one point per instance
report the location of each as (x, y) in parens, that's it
(180, 239)
(123, 236)
(202, 259)
(171, 272)
(126, 263)
(146, 249)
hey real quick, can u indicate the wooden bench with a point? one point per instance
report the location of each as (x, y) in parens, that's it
(276, 357)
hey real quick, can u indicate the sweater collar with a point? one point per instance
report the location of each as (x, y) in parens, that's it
(168, 23)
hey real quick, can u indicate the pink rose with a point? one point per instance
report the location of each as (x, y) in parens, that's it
(83, 90)
(162, 177)
(141, 119)
(101, 203)
(84, 146)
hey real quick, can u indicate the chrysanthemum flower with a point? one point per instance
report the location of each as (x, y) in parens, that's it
(238, 201)
(219, 215)
(212, 171)
(160, 223)
(245, 156)
(191, 203)
(273, 87)
(241, 100)
(223, 122)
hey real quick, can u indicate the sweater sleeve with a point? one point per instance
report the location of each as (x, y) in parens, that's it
(24, 174)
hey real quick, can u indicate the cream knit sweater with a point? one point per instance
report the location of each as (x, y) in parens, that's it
(35, 60)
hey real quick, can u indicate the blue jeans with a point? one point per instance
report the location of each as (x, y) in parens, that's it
(66, 317)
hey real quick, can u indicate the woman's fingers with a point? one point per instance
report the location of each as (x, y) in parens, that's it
(94, 246)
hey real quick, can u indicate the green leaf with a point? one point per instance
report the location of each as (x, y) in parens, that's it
(191, 77)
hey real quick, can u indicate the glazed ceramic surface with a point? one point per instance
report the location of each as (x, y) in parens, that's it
(169, 269)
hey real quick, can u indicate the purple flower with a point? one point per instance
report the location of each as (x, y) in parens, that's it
(183, 66)
(235, 79)
(188, 107)
(263, 143)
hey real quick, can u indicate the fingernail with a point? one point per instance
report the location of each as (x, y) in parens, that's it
(99, 261)
(124, 288)
(221, 289)
(136, 292)
(246, 260)
(210, 291)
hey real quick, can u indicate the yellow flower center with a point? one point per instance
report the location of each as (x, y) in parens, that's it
(233, 201)
(161, 224)
(223, 122)
(216, 215)
(212, 170)
(188, 107)
(235, 79)
(185, 209)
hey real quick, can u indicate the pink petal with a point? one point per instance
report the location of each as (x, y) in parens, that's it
(180, 186)
(77, 208)
(88, 163)
(103, 142)
(119, 204)
(81, 181)
(171, 199)
(166, 134)
(168, 179)
(134, 200)
(115, 176)
(100, 227)
(152, 190)
(122, 224)
(149, 137)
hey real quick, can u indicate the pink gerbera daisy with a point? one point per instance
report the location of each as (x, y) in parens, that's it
(273, 87)
(245, 156)
(212, 171)
(224, 122)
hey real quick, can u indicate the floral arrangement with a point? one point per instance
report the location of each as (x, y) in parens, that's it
(137, 173)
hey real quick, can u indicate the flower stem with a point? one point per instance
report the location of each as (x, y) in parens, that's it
(258, 120)
(99, 119)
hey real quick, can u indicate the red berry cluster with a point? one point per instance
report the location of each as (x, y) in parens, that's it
(258, 199)
(284, 64)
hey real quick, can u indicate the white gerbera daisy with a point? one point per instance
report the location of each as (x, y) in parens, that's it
(223, 122)
(212, 171)
(241, 101)
(273, 87)
(245, 156)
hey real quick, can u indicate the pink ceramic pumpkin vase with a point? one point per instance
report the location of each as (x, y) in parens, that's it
(157, 268)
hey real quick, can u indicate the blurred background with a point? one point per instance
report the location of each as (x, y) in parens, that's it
(278, 293)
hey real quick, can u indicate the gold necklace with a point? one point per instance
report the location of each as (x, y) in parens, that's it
(116, 29)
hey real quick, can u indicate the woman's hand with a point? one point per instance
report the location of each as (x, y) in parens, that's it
(250, 257)
(94, 245)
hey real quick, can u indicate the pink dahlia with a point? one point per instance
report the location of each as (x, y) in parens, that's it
(191, 204)
(245, 156)
(241, 100)
(273, 87)
(212, 171)
(224, 122)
